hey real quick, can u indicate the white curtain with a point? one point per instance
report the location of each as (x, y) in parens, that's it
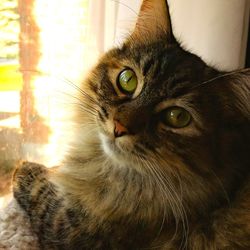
(216, 30)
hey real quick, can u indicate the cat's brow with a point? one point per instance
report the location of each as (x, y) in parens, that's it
(146, 66)
(182, 101)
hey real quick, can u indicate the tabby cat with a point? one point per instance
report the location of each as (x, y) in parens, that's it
(161, 153)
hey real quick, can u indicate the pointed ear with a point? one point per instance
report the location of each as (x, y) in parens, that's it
(153, 21)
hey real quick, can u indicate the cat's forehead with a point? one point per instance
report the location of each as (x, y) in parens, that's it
(166, 68)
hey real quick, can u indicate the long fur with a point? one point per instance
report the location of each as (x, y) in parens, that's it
(156, 187)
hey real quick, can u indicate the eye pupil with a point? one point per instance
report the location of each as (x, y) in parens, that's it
(127, 81)
(179, 116)
(176, 117)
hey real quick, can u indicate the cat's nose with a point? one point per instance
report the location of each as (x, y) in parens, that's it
(119, 129)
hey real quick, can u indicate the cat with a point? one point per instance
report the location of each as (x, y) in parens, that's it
(161, 153)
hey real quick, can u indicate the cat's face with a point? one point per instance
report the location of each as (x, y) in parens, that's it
(157, 108)
(145, 103)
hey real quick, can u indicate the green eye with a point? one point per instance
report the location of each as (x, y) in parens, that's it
(176, 117)
(127, 81)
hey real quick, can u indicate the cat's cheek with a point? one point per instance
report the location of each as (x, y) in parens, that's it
(106, 128)
(106, 145)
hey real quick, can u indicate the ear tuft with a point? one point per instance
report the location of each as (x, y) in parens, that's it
(153, 21)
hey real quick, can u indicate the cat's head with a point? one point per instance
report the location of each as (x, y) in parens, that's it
(163, 111)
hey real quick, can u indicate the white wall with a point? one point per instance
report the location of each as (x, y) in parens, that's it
(216, 30)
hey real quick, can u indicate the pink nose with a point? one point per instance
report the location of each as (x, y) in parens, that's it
(119, 130)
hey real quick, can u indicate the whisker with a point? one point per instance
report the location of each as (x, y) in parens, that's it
(221, 185)
(65, 80)
(177, 207)
(221, 76)
(121, 3)
(165, 197)
(182, 210)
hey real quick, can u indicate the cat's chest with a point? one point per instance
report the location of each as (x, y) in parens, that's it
(121, 212)
(80, 229)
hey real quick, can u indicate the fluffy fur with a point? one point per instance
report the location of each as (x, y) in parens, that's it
(156, 186)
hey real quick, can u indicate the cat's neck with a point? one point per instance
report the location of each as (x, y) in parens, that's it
(112, 192)
(105, 186)
(98, 182)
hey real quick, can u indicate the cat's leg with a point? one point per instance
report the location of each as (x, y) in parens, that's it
(30, 185)
(59, 221)
(40, 200)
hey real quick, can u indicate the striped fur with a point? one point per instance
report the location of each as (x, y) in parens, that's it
(156, 187)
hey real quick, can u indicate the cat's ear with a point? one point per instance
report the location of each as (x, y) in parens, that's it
(153, 21)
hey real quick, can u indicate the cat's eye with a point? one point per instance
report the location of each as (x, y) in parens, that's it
(176, 117)
(127, 81)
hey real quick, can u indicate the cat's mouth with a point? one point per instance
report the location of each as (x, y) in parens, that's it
(113, 147)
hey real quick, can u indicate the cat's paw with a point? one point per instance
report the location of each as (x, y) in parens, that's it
(25, 177)
(27, 172)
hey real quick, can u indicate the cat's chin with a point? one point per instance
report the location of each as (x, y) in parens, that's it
(115, 149)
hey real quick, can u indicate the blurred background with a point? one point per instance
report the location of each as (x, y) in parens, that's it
(47, 46)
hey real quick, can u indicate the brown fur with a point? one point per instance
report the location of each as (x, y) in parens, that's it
(157, 186)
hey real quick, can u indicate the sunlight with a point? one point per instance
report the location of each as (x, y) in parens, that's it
(62, 25)
(4, 200)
